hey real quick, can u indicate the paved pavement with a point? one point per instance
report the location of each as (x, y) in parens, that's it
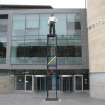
(39, 99)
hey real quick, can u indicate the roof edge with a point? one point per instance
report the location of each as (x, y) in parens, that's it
(4, 7)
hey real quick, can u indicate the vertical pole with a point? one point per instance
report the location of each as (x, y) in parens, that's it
(56, 66)
(54, 76)
(47, 69)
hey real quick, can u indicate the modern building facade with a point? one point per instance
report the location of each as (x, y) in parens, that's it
(23, 49)
(96, 38)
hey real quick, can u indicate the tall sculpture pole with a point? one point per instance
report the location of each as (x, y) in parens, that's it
(51, 79)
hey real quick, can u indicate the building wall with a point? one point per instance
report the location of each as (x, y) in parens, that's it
(74, 64)
(96, 40)
(4, 84)
(79, 63)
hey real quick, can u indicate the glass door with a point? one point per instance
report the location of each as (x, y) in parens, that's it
(28, 83)
(78, 83)
(20, 84)
(40, 83)
(66, 83)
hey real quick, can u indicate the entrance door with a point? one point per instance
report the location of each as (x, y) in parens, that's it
(40, 83)
(20, 84)
(78, 83)
(28, 83)
(66, 83)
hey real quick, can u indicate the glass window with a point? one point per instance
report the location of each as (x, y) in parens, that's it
(73, 17)
(3, 39)
(69, 60)
(32, 21)
(15, 45)
(20, 82)
(73, 24)
(69, 51)
(4, 72)
(44, 24)
(18, 22)
(3, 16)
(70, 25)
(61, 24)
(25, 40)
(77, 25)
(31, 51)
(2, 52)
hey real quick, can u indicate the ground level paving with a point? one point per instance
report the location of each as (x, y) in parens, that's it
(39, 99)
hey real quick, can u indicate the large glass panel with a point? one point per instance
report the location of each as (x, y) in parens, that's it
(44, 24)
(28, 83)
(69, 60)
(15, 54)
(18, 25)
(69, 51)
(61, 24)
(20, 82)
(19, 22)
(78, 83)
(68, 40)
(2, 52)
(31, 51)
(3, 37)
(66, 83)
(32, 25)
(73, 17)
(26, 41)
(28, 54)
(73, 24)
(32, 21)
(40, 83)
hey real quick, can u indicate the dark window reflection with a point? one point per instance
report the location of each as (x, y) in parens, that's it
(41, 51)
(4, 16)
(2, 50)
(77, 25)
(31, 51)
(69, 51)
(73, 25)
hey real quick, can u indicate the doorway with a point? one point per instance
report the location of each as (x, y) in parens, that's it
(66, 83)
(78, 83)
(40, 83)
(28, 83)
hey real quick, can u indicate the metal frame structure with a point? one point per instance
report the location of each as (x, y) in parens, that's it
(51, 68)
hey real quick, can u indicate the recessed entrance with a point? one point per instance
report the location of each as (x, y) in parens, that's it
(78, 83)
(20, 82)
(40, 83)
(66, 83)
(37, 83)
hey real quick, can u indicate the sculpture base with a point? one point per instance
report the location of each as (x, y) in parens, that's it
(51, 35)
(51, 99)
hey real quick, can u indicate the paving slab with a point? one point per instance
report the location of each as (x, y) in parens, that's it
(40, 99)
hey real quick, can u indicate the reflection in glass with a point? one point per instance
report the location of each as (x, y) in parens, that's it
(20, 82)
(61, 24)
(29, 38)
(28, 83)
(32, 21)
(3, 37)
(44, 24)
(18, 22)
